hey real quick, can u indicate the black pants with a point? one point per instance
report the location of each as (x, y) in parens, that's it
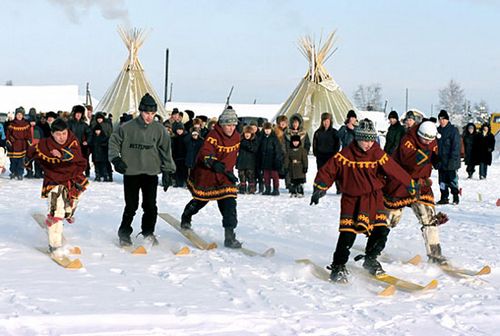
(132, 184)
(374, 246)
(181, 173)
(100, 169)
(448, 179)
(227, 207)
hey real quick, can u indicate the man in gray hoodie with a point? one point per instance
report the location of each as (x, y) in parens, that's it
(140, 150)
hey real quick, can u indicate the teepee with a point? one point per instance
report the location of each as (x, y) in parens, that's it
(317, 92)
(127, 90)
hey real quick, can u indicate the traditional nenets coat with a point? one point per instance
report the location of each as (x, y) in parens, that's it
(18, 136)
(63, 180)
(212, 178)
(360, 168)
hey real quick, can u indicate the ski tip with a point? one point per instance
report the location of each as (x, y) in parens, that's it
(431, 285)
(211, 246)
(183, 251)
(415, 260)
(485, 270)
(140, 250)
(388, 291)
(74, 264)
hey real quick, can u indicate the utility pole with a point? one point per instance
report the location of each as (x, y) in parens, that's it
(166, 77)
(406, 106)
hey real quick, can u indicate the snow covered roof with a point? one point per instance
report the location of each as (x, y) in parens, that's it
(215, 109)
(43, 98)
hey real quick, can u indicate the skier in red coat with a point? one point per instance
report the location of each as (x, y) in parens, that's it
(212, 177)
(417, 154)
(359, 168)
(63, 164)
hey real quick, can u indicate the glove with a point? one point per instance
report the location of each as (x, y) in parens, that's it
(218, 166)
(166, 181)
(120, 166)
(413, 188)
(317, 194)
(232, 177)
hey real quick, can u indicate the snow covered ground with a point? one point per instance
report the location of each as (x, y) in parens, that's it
(223, 292)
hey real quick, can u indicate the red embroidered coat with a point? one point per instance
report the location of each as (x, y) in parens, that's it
(67, 170)
(18, 135)
(416, 159)
(361, 180)
(203, 182)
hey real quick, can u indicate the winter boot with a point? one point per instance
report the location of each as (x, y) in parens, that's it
(125, 240)
(20, 177)
(436, 257)
(276, 192)
(300, 190)
(267, 191)
(150, 239)
(261, 187)
(187, 215)
(185, 222)
(443, 201)
(251, 188)
(110, 178)
(339, 274)
(29, 174)
(456, 200)
(97, 179)
(230, 239)
(373, 266)
(242, 188)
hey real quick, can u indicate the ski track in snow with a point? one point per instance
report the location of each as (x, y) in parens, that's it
(223, 292)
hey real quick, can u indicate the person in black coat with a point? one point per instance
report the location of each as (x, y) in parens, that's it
(395, 133)
(449, 158)
(99, 145)
(468, 138)
(246, 162)
(484, 147)
(346, 131)
(82, 131)
(179, 154)
(326, 142)
(271, 159)
(193, 145)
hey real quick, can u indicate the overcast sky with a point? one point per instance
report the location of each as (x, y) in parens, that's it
(419, 45)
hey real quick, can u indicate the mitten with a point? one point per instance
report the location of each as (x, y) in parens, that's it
(166, 181)
(231, 177)
(317, 194)
(218, 166)
(120, 166)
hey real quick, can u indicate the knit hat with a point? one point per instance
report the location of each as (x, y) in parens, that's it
(393, 114)
(228, 117)
(148, 104)
(365, 131)
(326, 115)
(443, 114)
(427, 130)
(410, 115)
(351, 114)
(20, 109)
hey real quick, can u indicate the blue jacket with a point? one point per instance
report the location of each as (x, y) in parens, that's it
(449, 148)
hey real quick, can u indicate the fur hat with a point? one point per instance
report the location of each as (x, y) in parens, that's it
(365, 131)
(20, 109)
(190, 114)
(78, 109)
(394, 115)
(97, 127)
(247, 129)
(177, 126)
(228, 117)
(203, 118)
(444, 115)
(51, 114)
(267, 125)
(148, 104)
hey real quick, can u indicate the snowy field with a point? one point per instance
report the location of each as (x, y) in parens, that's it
(223, 292)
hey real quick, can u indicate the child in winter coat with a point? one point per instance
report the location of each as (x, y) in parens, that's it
(193, 145)
(296, 166)
(359, 167)
(64, 165)
(271, 159)
(246, 162)
(99, 146)
(179, 154)
(18, 138)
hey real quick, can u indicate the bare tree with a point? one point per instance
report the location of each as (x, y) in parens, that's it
(452, 99)
(369, 97)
